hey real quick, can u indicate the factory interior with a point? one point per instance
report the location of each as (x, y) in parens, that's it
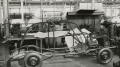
(59, 33)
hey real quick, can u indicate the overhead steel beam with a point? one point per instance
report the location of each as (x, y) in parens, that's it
(65, 1)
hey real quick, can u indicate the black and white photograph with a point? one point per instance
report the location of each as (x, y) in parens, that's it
(59, 33)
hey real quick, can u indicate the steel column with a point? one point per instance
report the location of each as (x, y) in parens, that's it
(6, 17)
(0, 17)
(22, 14)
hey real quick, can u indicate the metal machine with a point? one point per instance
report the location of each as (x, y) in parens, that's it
(116, 42)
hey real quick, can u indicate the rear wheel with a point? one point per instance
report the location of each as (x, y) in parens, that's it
(105, 55)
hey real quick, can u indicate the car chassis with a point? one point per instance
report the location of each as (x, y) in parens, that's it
(34, 58)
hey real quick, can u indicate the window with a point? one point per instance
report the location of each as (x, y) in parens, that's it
(58, 0)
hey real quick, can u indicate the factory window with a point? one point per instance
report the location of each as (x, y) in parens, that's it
(15, 10)
(58, 0)
(115, 12)
(18, 16)
(14, 0)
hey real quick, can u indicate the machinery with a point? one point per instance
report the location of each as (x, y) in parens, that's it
(113, 37)
(117, 62)
(117, 43)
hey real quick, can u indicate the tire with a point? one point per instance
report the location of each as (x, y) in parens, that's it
(105, 55)
(30, 62)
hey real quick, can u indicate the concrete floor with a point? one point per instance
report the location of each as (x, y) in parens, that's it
(82, 61)
(73, 61)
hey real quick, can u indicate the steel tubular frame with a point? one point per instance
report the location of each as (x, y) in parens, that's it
(54, 47)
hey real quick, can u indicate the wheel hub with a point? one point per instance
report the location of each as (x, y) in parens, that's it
(105, 55)
(33, 61)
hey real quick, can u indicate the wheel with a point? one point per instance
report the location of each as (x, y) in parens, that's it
(33, 60)
(105, 55)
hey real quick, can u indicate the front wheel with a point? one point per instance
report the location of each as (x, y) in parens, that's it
(105, 55)
(33, 60)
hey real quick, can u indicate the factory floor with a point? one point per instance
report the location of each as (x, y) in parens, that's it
(76, 61)
(73, 61)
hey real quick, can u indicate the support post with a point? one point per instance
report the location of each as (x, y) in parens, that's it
(4, 53)
(22, 14)
(6, 17)
(4, 47)
(112, 11)
(93, 4)
(0, 18)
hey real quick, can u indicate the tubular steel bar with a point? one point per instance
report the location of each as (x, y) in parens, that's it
(74, 32)
(41, 44)
(76, 36)
(66, 54)
(48, 35)
(53, 36)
